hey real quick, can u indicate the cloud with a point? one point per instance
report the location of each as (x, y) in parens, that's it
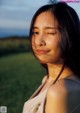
(22, 4)
(17, 14)
(13, 24)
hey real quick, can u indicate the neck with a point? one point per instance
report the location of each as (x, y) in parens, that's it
(54, 71)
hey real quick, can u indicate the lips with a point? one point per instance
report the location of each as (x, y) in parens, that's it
(41, 51)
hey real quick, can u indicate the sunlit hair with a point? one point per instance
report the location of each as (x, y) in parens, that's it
(69, 27)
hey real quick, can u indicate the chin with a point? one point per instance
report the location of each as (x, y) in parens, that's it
(46, 60)
(42, 61)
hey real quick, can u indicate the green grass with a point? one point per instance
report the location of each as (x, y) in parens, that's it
(20, 75)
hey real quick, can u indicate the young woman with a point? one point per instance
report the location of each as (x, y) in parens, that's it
(55, 41)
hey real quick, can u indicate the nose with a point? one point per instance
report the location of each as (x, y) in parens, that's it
(40, 41)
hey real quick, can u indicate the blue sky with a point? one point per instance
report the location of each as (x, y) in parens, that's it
(15, 15)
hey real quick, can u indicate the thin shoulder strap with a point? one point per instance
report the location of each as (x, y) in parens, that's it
(39, 88)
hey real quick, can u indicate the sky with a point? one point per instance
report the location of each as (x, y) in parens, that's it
(16, 15)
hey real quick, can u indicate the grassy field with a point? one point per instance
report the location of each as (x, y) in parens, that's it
(20, 75)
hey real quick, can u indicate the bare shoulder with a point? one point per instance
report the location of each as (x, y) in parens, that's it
(64, 86)
(58, 89)
(63, 93)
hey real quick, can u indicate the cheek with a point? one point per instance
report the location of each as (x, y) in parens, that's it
(55, 48)
(32, 43)
(52, 43)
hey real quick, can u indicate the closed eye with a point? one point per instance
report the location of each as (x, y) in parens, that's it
(52, 33)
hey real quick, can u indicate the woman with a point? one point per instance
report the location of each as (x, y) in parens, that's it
(55, 41)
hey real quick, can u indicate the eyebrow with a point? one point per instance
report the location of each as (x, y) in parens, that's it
(46, 27)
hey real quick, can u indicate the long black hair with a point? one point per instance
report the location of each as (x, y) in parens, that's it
(69, 27)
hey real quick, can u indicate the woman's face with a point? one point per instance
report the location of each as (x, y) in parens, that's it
(46, 38)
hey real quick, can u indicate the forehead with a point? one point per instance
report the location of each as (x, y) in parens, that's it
(46, 19)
